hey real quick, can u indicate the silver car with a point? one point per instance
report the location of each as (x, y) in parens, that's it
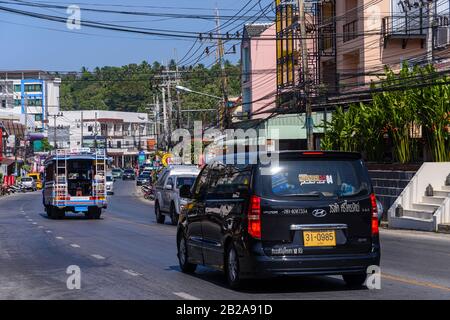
(28, 184)
(167, 196)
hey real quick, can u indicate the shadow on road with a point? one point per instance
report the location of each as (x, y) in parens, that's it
(302, 284)
(70, 217)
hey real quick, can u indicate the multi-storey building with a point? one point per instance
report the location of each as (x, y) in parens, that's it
(123, 134)
(34, 94)
(358, 38)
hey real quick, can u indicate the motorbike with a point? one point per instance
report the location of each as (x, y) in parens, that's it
(147, 190)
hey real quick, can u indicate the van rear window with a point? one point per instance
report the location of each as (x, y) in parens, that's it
(318, 177)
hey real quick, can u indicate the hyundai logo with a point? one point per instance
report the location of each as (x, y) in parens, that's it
(319, 213)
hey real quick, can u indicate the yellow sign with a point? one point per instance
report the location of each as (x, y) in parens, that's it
(166, 159)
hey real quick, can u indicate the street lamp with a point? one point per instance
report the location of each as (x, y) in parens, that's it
(181, 88)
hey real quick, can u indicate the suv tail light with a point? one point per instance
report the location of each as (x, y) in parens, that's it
(254, 217)
(373, 203)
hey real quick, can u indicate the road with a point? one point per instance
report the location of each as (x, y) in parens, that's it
(126, 255)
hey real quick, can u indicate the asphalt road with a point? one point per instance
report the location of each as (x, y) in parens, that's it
(126, 255)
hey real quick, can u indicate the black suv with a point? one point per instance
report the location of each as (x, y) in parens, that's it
(312, 213)
(128, 174)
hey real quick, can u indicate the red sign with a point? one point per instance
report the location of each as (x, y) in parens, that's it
(1, 144)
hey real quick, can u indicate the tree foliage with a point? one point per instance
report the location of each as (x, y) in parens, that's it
(133, 87)
(421, 99)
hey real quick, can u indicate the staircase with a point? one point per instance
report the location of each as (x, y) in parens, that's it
(389, 184)
(413, 209)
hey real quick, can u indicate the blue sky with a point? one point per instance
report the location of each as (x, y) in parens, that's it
(37, 44)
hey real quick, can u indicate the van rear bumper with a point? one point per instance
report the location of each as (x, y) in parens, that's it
(270, 266)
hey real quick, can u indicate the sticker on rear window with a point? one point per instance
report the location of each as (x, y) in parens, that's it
(306, 179)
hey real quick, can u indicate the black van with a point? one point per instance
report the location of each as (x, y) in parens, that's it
(312, 213)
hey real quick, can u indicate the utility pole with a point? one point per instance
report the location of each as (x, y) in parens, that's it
(95, 133)
(306, 75)
(165, 129)
(430, 8)
(169, 109)
(177, 82)
(224, 123)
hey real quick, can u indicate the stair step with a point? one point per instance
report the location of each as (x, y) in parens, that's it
(444, 228)
(442, 193)
(418, 214)
(425, 207)
(433, 200)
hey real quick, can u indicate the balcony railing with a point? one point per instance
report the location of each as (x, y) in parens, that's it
(350, 30)
(410, 26)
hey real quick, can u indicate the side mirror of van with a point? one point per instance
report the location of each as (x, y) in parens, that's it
(185, 191)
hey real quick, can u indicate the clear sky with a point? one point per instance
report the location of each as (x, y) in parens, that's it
(30, 43)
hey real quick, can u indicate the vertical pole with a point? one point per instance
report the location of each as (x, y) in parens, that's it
(95, 133)
(82, 129)
(430, 8)
(224, 123)
(169, 111)
(54, 131)
(164, 117)
(306, 75)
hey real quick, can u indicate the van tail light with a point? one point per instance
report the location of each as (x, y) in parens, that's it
(373, 203)
(254, 217)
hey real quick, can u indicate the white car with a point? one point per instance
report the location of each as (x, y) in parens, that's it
(109, 184)
(28, 183)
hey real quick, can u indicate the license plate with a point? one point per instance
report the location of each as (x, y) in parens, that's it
(319, 238)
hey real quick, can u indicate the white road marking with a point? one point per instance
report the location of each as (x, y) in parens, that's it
(41, 227)
(185, 296)
(59, 238)
(48, 231)
(74, 245)
(97, 256)
(35, 223)
(132, 273)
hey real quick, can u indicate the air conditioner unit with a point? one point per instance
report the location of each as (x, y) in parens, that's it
(442, 37)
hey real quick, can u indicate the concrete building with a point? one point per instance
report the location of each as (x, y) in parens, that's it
(372, 35)
(259, 79)
(33, 94)
(123, 134)
(259, 90)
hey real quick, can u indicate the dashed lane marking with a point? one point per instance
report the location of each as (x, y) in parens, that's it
(59, 238)
(132, 273)
(74, 245)
(48, 231)
(185, 296)
(98, 257)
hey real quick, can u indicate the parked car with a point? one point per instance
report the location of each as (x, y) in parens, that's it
(37, 179)
(167, 197)
(109, 184)
(313, 213)
(28, 184)
(117, 173)
(128, 174)
(143, 178)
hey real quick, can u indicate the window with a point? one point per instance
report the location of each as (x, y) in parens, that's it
(90, 128)
(3, 103)
(119, 145)
(17, 102)
(17, 88)
(38, 117)
(181, 181)
(169, 182)
(35, 102)
(317, 178)
(227, 180)
(33, 88)
(201, 184)
(161, 180)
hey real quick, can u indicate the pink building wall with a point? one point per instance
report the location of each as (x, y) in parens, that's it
(262, 81)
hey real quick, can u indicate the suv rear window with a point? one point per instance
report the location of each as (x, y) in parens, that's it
(318, 177)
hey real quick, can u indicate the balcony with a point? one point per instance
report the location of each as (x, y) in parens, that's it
(350, 31)
(405, 26)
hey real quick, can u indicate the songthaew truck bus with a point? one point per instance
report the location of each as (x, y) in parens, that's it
(75, 182)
